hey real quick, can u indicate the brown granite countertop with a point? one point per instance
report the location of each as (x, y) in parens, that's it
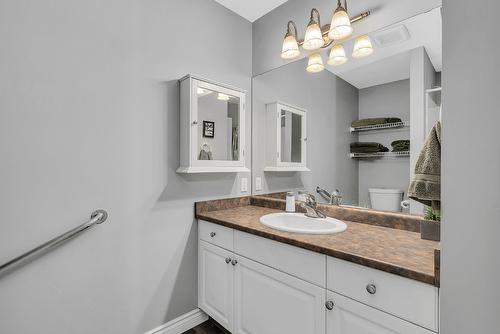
(393, 250)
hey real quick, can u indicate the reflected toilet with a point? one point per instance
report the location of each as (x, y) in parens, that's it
(386, 199)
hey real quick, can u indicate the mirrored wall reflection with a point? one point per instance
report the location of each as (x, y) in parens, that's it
(367, 120)
(218, 125)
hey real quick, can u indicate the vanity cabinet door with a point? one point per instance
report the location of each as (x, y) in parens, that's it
(348, 316)
(215, 283)
(268, 301)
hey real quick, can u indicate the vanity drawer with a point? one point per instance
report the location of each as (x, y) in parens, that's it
(216, 234)
(408, 299)
(298, 262)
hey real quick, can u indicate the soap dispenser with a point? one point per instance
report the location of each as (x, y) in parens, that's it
(290, 201)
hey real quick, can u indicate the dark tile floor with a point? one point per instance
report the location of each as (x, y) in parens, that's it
(208, 327)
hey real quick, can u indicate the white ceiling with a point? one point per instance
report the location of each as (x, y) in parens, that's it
(251, 9)
(392, 63)
(387, 70)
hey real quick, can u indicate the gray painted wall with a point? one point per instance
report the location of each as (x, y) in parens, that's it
(387, 100)
(90, 118)
(470, 272)
(331, 104)
(269, 30)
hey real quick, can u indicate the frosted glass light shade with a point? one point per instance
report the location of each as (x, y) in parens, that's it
(313, 39)
(362, 47)
(337, 55)
(315, 63)
(341, 25)
(290, 48)
(223, 97)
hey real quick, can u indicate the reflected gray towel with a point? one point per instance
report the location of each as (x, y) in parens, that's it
(425, 186)
(367, 147)
(400, 145)
(205, 155)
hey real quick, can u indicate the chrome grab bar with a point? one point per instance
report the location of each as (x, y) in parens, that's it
(97, 217)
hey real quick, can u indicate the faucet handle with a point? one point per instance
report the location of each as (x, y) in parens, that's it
(310, 199)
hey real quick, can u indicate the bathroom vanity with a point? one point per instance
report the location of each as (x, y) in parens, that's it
(368, 279)
(343, 135)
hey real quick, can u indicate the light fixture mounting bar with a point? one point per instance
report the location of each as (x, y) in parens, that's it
(326, 28)
(360, 16)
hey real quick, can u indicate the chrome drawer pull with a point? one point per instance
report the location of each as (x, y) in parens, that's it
(329, 305)
(228, 259)
(212, 234)
(371, 289)
(234, 262)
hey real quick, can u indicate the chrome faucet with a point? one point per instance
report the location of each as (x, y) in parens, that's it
(310, 206)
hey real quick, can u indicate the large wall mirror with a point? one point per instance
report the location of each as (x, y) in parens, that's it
(367, 119)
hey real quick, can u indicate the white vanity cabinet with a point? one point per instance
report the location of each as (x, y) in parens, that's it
(247, 297)
(267, 301)
(348, 316)
(286, 138)
(215, 283)
(254, 285)
(212, 127)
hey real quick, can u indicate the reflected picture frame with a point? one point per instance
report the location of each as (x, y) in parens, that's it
(208, 129)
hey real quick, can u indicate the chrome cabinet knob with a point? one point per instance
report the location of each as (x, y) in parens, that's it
(234, 262)
(371, 289)
(212, 234)
(329, 305)
(228, 259)
(195, 122)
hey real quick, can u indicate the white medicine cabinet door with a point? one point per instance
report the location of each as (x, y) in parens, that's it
(215, 283)
(268, 301)
(348, 316)
(287, 138)
(212, 127)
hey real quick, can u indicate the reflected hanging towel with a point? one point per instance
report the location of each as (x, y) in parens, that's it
(205, 152)
(426, 184)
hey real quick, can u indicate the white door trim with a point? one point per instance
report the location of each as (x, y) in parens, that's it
(181, 324)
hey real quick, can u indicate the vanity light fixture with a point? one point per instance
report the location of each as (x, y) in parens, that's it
(315, 63)
(340, 27)
(362, 47)
(337, 55)
(314, 37)
(223, 97)
(318, 37)
(290, 49)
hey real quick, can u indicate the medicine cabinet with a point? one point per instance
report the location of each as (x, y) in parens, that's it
(286, 138)
(212, 127)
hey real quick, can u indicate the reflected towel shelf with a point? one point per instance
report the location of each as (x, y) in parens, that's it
(380, 154)
(380, 126)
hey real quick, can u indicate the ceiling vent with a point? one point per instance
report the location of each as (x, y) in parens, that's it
(391, 36)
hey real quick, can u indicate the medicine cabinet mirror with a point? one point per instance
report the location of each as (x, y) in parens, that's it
(286, 138)
(212, 127)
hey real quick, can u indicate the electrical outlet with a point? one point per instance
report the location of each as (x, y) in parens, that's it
(258, 183)
(244, 185)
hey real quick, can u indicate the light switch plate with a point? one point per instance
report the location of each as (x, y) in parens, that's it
(258, 183)
(244, 185)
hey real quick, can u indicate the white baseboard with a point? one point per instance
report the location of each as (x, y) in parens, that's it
(181, 324)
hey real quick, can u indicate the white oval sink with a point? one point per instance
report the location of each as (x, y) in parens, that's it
(299, 223)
